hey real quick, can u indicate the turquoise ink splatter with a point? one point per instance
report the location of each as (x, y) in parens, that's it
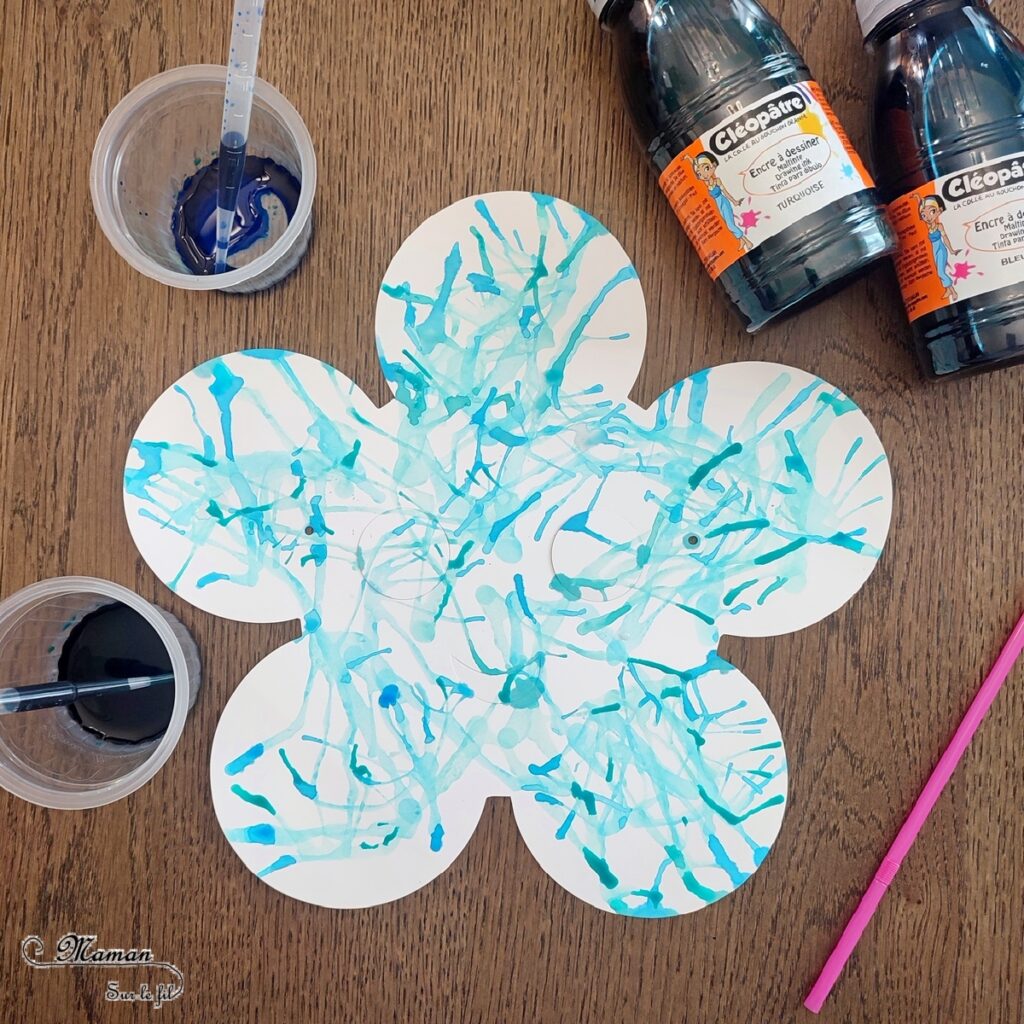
(211, 577)
(511, 580)
(731, 816)
(436, 838)
(284, 861)
(774, 556)
(307, 789)
(263, 835)
(584, 795)
(224, 388)
(253, 798)
(546, 768)
(240, 763)
(388, 696)
(563, 830)
(725, 862)
(600, 868)
(701, 472)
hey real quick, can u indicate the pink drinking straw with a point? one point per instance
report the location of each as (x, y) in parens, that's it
(916, 819)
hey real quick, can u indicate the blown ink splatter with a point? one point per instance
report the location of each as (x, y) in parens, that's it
(511, 580)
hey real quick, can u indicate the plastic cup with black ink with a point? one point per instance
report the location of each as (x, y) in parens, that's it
(99, 748)
(155, 193)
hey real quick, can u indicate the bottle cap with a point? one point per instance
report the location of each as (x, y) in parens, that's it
(873, 12)
(599, 6)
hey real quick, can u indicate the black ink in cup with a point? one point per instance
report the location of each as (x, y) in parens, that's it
(116, 642)
(95, 689)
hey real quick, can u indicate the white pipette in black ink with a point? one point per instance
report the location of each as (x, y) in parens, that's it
(61, 694)
(247, 23)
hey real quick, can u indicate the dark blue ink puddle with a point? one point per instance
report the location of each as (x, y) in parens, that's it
(266, 204)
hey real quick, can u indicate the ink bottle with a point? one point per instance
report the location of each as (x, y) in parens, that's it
(948, 141)
(755, 164)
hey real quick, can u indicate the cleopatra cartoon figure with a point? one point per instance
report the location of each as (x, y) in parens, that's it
(705, 166)
(931, 209)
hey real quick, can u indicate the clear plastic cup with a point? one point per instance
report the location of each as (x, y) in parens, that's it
(46, 756)
(159, 135)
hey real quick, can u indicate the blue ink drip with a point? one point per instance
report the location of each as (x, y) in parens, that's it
(240, 763)
(284, 861)
(194, 220)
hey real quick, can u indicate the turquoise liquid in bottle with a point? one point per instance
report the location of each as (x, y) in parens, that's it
(748, 152)
(949, 152)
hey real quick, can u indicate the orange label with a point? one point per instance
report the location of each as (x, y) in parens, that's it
(779, 160)
(961, 236)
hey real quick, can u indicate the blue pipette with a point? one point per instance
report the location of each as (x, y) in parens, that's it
(234, 132)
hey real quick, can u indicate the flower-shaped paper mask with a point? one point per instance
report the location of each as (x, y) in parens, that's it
(511, 580)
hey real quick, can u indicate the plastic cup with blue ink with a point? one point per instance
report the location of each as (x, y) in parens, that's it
(84, 635)
(154, 183)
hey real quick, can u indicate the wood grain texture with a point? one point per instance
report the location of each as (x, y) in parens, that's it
(411, 106)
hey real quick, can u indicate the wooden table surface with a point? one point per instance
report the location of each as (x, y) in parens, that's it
(412, 106)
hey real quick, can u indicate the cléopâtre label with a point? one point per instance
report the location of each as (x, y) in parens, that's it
(961, 236)
(761, 171)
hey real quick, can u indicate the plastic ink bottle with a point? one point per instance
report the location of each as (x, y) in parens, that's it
(754, 162)
(949, 153)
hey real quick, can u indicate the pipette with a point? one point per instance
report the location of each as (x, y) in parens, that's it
(38, 696)
(234, 133)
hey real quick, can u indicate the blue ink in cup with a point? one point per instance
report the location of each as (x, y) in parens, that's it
(165, 133)
(266, 203)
